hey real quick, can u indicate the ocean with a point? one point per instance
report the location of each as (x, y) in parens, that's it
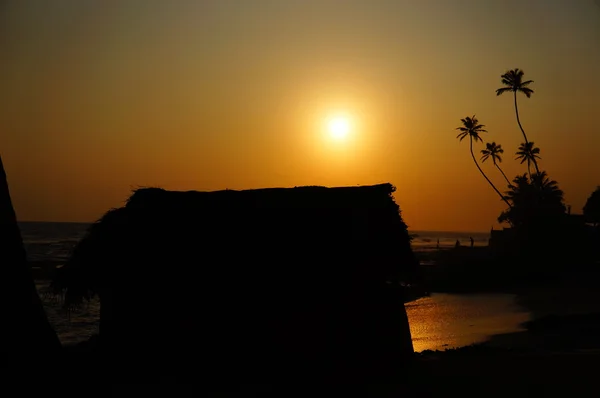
(53, 241)
(50, 241)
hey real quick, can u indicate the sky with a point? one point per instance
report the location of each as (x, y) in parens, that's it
(99, 98)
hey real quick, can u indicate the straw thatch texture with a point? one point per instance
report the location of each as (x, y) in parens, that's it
(302, 275)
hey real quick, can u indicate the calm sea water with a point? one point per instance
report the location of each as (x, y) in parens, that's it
(54, 241)
(437, 322)
(50, 240)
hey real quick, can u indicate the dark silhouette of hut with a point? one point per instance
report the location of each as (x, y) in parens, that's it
(268, 283)
(25, 330)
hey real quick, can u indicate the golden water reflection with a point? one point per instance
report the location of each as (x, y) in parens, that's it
(444, 321)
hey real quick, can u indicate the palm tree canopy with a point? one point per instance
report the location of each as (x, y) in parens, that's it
(533, 200)
(492, 150)
(513, 81)
(522, 188)
(470, 128)
(527, 152)
(548, 187)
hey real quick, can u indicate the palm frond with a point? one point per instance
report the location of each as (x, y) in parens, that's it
(526, 91)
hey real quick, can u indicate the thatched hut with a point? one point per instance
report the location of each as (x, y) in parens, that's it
(299, 281)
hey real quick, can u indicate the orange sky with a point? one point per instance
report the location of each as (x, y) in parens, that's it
(97, 99)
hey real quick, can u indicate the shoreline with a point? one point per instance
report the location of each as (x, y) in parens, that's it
(560, 310)
(564, 319)
(564, 307)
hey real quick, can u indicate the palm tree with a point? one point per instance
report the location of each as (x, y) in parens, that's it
(534, 200)
(520, 196)
(493, 150)
(513, 81)
(527, 152)
(472, 129)
(549, 190)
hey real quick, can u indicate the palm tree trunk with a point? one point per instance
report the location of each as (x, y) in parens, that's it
(504, 175)
(484, 176)
(26, 328)
(523, 131)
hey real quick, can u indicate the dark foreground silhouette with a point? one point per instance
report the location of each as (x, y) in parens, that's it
(299, 284)
(25, 329)
(331, 318)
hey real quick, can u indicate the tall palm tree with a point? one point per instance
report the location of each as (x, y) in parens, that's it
(493, 151)
(527, 152)
(472, 129)
(513, 81)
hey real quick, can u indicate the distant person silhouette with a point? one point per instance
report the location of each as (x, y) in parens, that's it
(438, 244)
(472, 241)
(457, 244)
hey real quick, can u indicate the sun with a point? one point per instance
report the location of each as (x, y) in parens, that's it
(338, 127)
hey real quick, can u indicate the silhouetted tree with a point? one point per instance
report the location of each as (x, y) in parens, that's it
(471, 128)
(493, 151)
(534, 202)
(26, 328)
(528, 153)
(545, 242)
(591, 210)
(513, 81)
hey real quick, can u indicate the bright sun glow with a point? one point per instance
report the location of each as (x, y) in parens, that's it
(339, 127)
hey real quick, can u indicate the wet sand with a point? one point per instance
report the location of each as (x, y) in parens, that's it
(564, 318)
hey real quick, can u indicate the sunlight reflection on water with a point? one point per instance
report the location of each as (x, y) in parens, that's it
(445, 321)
